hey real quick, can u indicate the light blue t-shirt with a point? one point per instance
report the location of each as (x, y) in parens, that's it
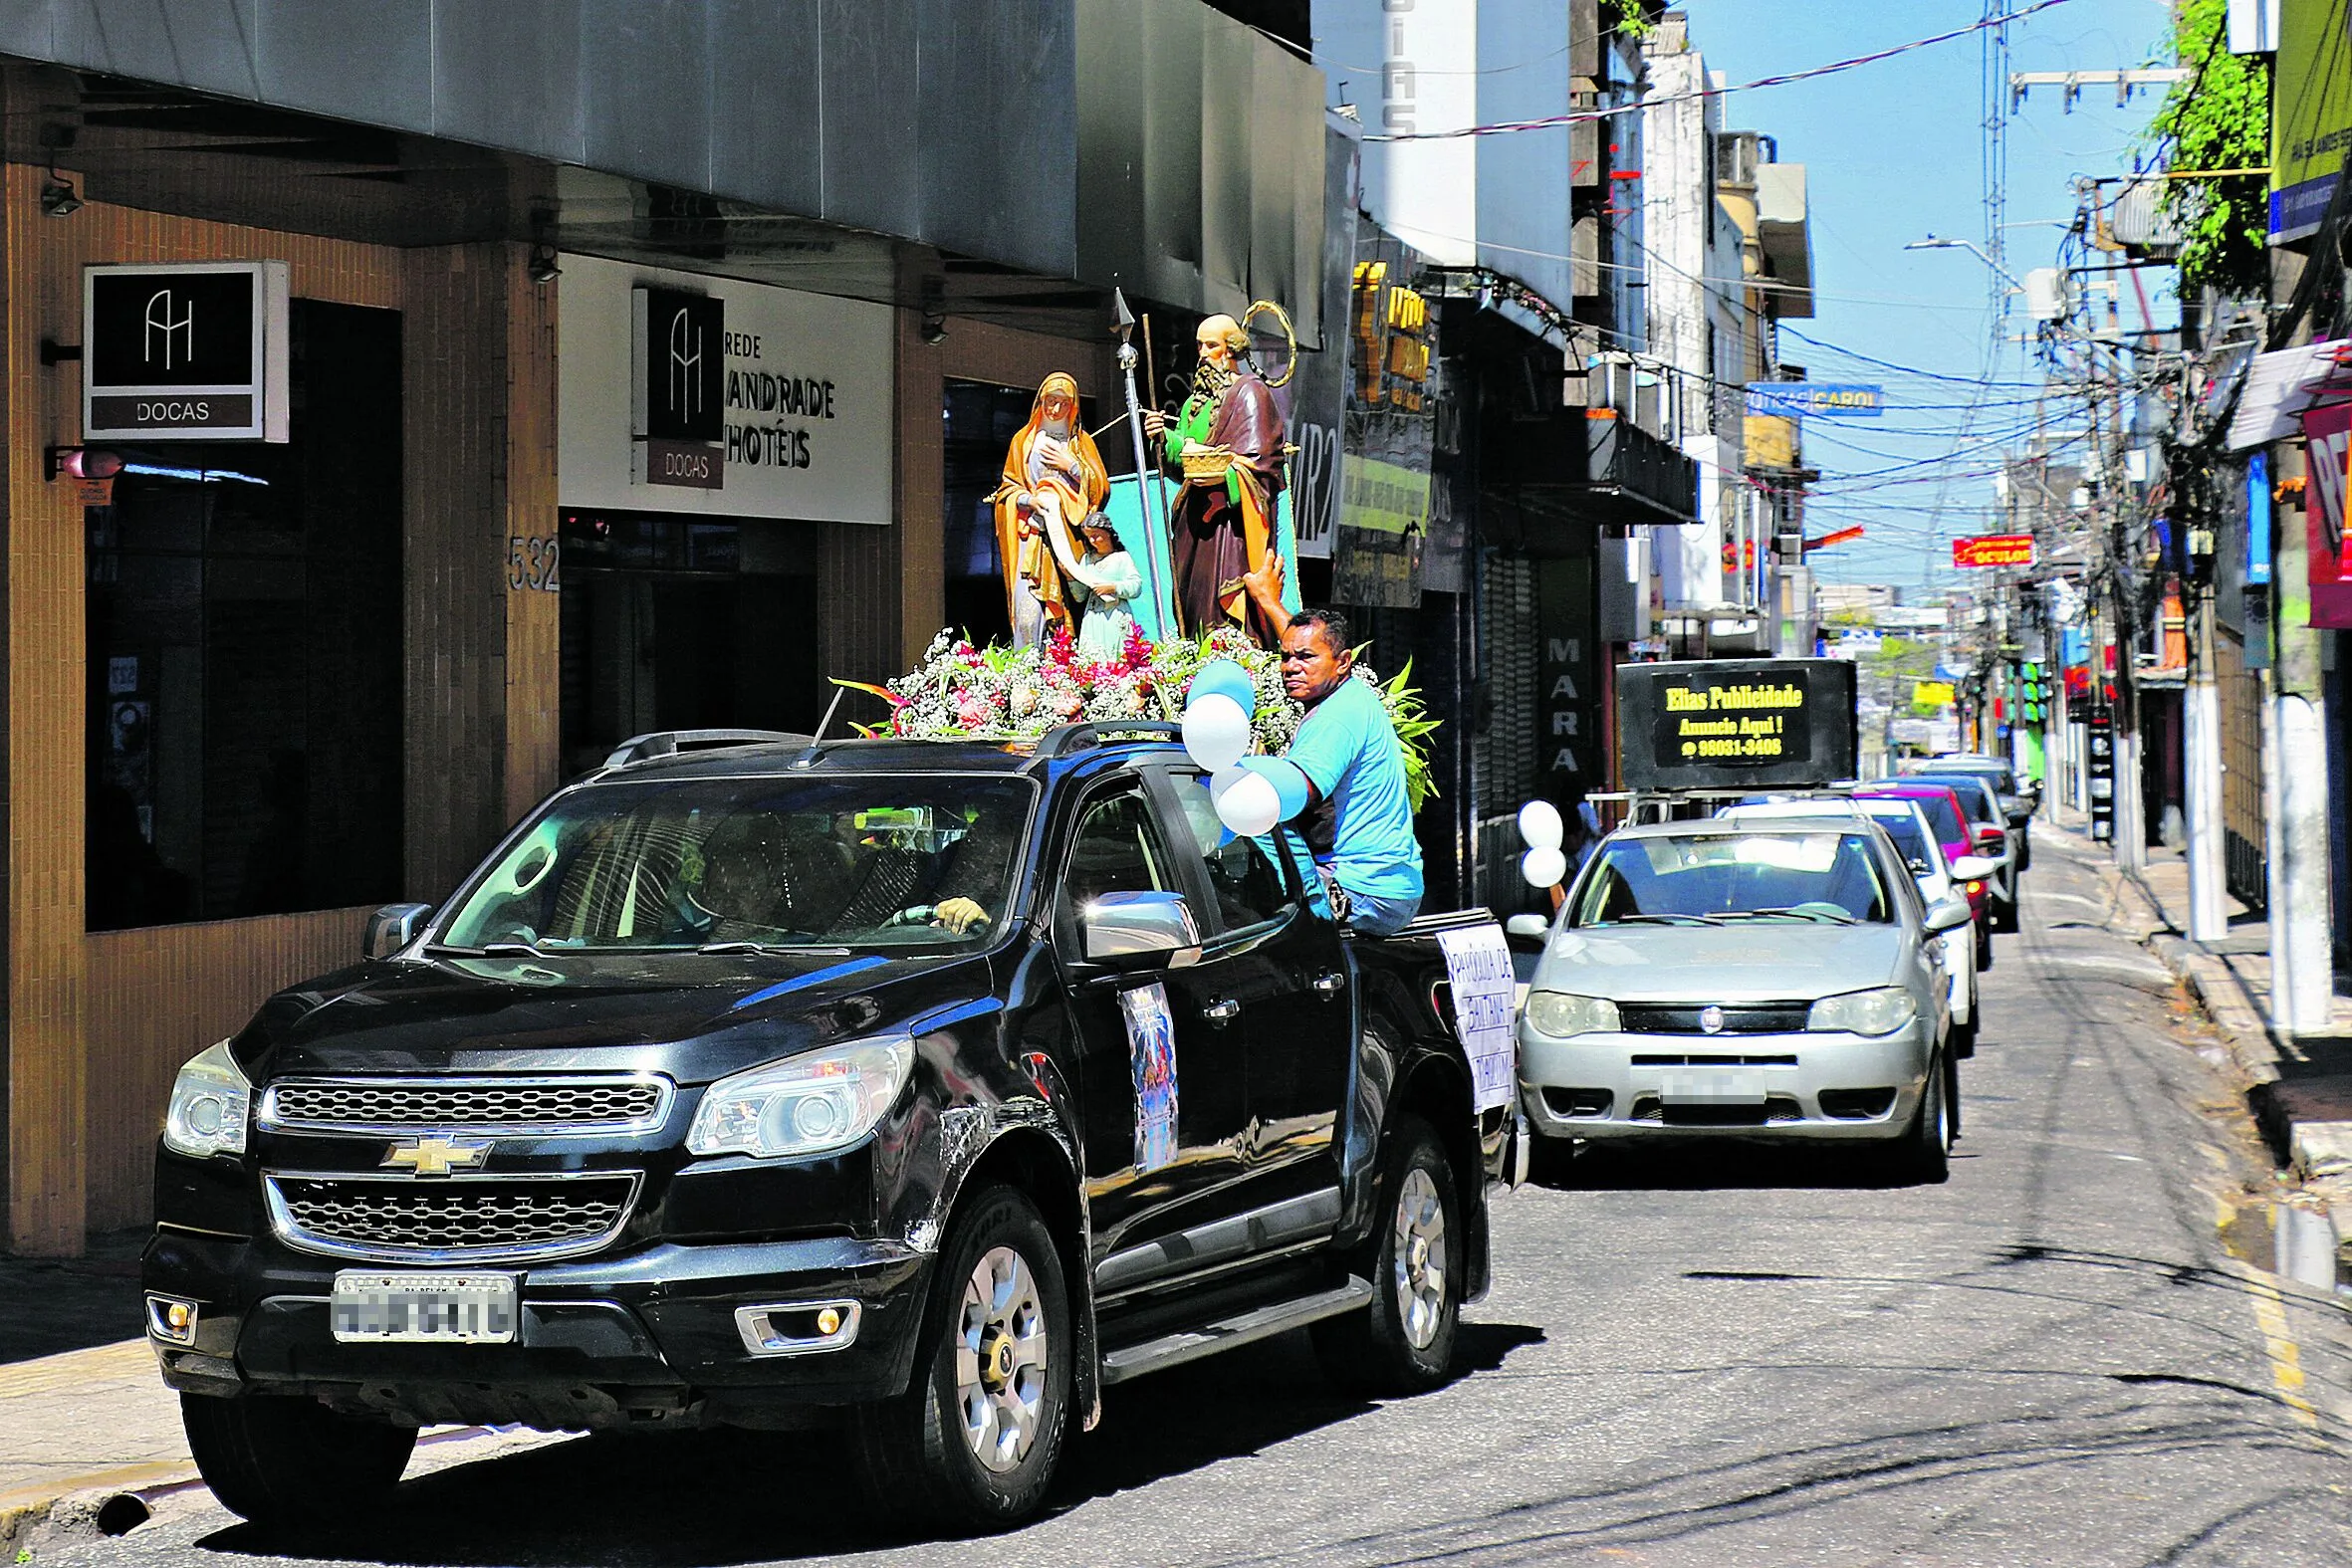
(1347, 747)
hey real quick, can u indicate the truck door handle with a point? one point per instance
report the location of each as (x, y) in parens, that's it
(1329, 985)
(1222, 1013)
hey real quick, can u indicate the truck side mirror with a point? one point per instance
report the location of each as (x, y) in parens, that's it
(393, 928)
(1121, 929)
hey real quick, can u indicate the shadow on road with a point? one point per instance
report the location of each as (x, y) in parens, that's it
(1697, 1165)
(709, 1500)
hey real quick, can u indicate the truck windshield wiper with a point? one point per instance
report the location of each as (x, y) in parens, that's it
(743, 945)
(512, 950)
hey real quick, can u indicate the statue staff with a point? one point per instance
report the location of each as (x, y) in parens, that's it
(1157, 569)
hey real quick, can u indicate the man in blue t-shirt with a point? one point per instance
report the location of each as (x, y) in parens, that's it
(1354, 761)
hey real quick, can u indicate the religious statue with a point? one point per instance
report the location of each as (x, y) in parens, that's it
(1227, 443)
(1053, 485)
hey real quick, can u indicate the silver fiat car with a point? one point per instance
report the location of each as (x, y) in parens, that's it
(1775, 978)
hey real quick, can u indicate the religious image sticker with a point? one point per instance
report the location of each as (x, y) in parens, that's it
(1151, 1055)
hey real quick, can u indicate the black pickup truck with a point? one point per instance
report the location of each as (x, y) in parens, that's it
(916, 1089)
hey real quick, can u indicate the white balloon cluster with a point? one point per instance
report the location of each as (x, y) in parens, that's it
(1253, 794)
(1544, 864)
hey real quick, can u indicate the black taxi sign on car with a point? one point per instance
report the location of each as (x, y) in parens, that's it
(1736, 723)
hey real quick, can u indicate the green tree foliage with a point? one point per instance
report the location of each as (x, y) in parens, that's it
(2219, 119)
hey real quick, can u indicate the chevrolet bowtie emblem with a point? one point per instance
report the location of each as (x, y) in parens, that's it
(436, 1156)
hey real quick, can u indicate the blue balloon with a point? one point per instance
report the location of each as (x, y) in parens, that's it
(1289, 784)
(1224, 678)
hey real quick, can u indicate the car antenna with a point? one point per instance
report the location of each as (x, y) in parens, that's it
(817, 740)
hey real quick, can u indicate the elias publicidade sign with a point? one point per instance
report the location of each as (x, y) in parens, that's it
(193, 352)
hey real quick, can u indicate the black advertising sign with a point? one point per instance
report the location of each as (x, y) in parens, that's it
(1735, 724)
(1570, 760)
(2099, 740)
(187, 353)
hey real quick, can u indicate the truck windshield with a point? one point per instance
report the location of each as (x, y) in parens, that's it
(877, 860)
(1729, 877)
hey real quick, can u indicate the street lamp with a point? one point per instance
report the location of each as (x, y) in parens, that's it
(1935, 243)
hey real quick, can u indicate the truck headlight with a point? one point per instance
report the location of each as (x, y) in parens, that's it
(1561, 1013)
(209, 1100)
(1877, 1011)
(808, 1105)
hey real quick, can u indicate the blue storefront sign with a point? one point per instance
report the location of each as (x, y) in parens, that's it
(1818, 400)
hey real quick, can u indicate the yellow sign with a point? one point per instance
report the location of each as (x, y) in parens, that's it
(1931, 694)
(2311, 114)
(1387, 498)
(1771, 441)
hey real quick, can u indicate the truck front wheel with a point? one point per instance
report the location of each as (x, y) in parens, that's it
(279, 1460)
(1404, 1343)
(974, 1440)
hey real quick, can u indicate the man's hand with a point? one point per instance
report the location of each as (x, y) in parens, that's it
(960, 916)
(1265, 588)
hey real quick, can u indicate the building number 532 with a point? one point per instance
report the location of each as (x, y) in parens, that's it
(530, 562)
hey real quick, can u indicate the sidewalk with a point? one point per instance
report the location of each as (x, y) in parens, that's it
(84, 1418)
(81, 1407)
(2300, 1086)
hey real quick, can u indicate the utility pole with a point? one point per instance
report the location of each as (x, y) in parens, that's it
(2302, 963)
(2201, 747)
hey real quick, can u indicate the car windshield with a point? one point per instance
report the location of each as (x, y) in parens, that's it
(1943, 815)
(1910, 842)
(1735, 876)
(1975, 797)
(878, 860)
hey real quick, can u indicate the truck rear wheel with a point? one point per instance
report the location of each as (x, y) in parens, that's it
(973, 1443)
(1404, 1342)
(277, 1460)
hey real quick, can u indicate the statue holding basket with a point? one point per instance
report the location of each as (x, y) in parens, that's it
(1227, 443)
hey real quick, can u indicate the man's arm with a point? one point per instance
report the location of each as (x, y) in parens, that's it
(1265, 588)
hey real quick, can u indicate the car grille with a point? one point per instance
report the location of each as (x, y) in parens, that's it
(492, 1105)
(1760, 1017)
(461, 1219)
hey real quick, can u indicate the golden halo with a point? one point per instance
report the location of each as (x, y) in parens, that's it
(1289, 335)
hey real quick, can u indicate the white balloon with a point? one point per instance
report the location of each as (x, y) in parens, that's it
(1216, 731)
(1221, 782)
(1250, 806)
(1540, 825)
(1544, 867)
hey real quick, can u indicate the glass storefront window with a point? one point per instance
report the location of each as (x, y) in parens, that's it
(244, 624)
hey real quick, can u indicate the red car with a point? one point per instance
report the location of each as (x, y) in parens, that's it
(1951, 823)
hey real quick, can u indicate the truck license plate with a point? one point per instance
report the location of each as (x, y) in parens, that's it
(474, 1309)
(1701, 1087)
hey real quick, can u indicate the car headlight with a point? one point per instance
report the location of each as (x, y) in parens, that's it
(1879, 1012)
(1561, 1013)
(209, 1100)
(808, 1105)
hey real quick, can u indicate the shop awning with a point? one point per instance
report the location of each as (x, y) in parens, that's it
(2281, 387)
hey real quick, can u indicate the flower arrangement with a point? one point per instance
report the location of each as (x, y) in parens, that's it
(961, 692)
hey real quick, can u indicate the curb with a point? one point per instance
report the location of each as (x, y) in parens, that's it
(80, 1506)
(2316, 1149)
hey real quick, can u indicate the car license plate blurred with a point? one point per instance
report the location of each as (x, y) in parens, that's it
(466, 1309)
(1712, 1088)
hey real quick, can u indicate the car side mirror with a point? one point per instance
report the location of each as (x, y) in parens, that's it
(1972, 868)
(393, 928)
(1947, 914)
(1535, 927)
(1121, 929)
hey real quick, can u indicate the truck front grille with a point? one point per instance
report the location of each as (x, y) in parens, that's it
(602, 1104)
(457, 1219)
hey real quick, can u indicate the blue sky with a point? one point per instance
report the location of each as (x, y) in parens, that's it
(1894, 151)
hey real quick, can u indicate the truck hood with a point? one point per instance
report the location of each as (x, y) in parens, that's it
(1752, 960)
(691, 1017)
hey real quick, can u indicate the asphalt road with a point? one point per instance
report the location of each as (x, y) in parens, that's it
(1720, 1357)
